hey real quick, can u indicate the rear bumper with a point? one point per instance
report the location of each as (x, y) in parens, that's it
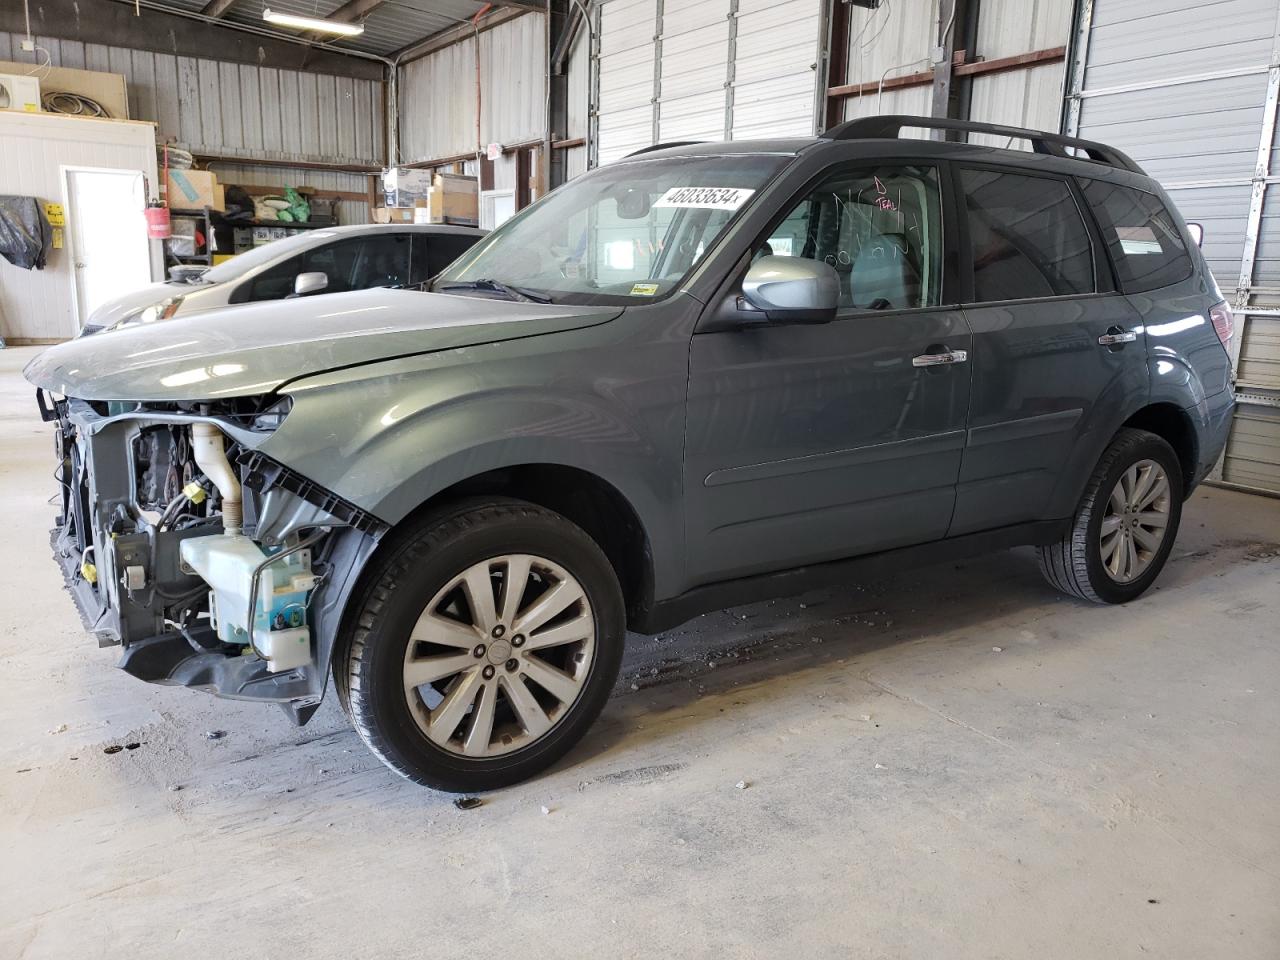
(1213, 421)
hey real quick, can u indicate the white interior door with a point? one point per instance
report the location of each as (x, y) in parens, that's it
(108, 233)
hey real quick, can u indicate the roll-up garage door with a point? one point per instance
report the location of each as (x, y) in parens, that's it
(1190, 91)
(625, 80)
(703, 70)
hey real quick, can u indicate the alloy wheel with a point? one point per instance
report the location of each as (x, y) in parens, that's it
(1136, 519)
(499, 656)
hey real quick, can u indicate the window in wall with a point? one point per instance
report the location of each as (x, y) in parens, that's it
(1145, 243)
(1028, 237)
(880, 228)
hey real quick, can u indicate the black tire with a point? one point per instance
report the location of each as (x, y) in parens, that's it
(1074, 564)
(425, 558)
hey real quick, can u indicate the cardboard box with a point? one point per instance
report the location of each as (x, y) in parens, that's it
(393, 215)
(454, 199)
(403, 185)
(193, 190)
(261, 235)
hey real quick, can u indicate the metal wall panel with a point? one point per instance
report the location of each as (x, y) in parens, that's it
(234, 109)
(1191, 93)
(579, 68)
(774, 70)
(626, 77)
(437, 93)
(1021, 98)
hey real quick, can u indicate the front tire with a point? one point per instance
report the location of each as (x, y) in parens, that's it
(1125, 526)
(484, 646)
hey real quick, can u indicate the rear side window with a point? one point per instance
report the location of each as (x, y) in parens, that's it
(1145, 243)
(1028, 237)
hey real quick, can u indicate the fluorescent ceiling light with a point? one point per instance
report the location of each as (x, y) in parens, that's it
(312, 23)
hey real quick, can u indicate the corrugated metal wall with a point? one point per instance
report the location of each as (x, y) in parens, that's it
(891, 41)
(39, 304)
(437, 93)
(1197, 108)
(1031, 97)
(236, 109)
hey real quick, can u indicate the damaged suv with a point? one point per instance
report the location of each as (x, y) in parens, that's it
(705, 374)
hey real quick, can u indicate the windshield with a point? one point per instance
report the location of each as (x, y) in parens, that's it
(624, 233)
(242, 263)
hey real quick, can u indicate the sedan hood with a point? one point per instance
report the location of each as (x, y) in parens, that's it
(254, 349)
(113, 311)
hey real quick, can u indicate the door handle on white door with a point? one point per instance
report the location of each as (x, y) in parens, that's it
(937, 359)
(1114, 336)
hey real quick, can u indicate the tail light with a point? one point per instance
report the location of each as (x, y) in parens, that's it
(1224, 322)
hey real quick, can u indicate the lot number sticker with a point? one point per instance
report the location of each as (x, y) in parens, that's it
(705, 198)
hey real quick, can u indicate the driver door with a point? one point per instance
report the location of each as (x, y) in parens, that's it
(807, 443)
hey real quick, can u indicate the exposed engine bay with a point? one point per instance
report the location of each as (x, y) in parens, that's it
(211, 565)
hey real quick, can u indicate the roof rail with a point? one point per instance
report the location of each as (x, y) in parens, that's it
(663, 146)
(1053, 144)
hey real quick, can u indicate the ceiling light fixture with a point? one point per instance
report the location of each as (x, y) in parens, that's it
(313, 23)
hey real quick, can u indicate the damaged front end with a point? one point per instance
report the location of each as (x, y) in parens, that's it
(211, 565)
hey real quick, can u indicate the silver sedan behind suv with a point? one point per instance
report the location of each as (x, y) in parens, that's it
(331, 260)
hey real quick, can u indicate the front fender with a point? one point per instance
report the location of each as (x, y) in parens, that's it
(390, 436)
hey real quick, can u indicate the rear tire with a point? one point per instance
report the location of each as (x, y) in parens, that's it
(1125, 526)
(485, 645)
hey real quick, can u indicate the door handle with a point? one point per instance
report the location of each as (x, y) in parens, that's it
(1117, 335)
(938, 359)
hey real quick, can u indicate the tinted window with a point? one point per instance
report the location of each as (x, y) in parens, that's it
(433, 252)
(381, 260)
(1145, 243)
(1028, 237)
(880, 228)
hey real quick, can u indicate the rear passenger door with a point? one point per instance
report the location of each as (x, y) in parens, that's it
(1057, 351)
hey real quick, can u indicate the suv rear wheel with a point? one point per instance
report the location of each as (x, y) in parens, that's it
(485, 646)
(1125, 526)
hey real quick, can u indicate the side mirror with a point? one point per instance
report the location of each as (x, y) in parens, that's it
(1197, 233)
(306, 283)
(792, 289)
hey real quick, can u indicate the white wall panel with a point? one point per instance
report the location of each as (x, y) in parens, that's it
(695, 58)
(39, 304)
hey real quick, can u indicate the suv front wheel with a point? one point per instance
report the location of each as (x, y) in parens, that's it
(1125, 525)
(485, 646)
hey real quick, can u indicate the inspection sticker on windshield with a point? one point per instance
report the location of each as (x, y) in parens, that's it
(705, 198)
(643, 289)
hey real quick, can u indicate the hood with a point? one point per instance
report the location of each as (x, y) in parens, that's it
(254, 349)
(113, 311)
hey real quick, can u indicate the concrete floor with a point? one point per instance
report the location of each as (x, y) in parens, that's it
(1104, 785)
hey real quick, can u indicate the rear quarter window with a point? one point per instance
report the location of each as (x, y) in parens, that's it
(1141, 234)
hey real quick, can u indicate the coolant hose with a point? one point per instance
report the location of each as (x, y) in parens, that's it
(211, 457)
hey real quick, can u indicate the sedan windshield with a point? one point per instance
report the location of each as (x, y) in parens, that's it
(625, 233)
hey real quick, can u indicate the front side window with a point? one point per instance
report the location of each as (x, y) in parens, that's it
(1028, 237)
(880, 228)
(626, 233)
(1145, 243)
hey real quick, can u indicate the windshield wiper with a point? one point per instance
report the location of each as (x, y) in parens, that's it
(497, 286)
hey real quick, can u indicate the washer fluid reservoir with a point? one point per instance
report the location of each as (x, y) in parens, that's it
(280, 631)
